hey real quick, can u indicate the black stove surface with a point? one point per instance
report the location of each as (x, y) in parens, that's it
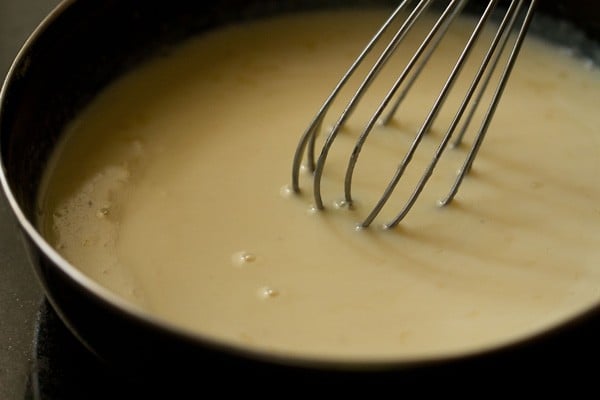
(62, 368)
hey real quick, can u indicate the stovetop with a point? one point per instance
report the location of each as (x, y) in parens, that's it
(20, 294)
(40, 359)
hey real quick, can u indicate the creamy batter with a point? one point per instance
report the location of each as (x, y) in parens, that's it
(170, 190)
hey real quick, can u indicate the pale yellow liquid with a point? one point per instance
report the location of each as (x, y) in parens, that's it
(170, 190)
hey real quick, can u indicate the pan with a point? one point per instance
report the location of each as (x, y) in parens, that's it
(83, 46)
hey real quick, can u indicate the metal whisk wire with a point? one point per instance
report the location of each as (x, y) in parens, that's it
(417, 62)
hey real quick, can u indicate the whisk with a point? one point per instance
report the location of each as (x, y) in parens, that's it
(516, 17)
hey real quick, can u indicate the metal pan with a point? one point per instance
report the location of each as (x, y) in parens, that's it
(79, 49)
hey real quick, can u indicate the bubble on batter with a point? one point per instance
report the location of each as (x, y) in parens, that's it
(312, 210)
(242, 258)
(268, 292)
(341, 204)
(103, 212)
(286, 191)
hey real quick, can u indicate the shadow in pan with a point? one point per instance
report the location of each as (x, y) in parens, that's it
(63, 368)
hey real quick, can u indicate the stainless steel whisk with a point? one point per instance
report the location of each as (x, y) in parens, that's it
(515, 17)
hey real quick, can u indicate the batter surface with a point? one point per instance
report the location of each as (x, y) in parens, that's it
(170, 190)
